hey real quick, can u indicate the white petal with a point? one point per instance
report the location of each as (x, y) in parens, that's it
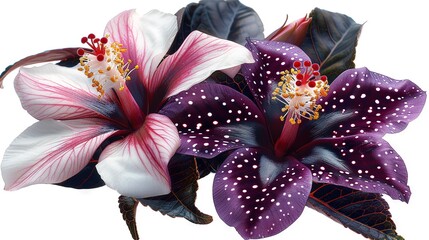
(198, 57)
(52, 91)
(51, 151)
(137, 165)
(146, 37)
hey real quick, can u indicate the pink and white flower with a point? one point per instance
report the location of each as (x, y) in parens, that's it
(114, 100)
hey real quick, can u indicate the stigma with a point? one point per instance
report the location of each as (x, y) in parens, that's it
(104, 64)
(299, 89)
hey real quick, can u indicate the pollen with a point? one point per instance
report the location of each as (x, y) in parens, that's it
(103, 64)
(299, 89)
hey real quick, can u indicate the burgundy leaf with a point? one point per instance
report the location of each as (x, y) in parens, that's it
(229, 20)
(258, 196)
(365, 213)
(128, 208)
(207, 166)
(181, 201)
(212, 118)
(87, 178)
(238, 82)
(64, 54)
(331, 41)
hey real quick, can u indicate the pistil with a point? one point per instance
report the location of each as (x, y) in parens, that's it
(104, 64)
(299, 90)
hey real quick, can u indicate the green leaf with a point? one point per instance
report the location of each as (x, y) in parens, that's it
(128, 207)
(181, 201)
(365, 213)
(331, 41)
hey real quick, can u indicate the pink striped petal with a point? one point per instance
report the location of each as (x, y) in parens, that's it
(147, 38)
(136, 166)
(51, 151)
(52, 91)
(198, 57)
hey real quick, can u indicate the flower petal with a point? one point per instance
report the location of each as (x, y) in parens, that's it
(263, 76)
(64, 54)
(146, 37)
(52, 91)
(259, 196)
(52, 151)
(136, 166)
(361, 101)
(212, 118)
(363, 162)
(293, 32)
(198, 57)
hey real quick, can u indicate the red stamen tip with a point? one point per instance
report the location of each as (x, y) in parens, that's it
(84, 40)
(299, 76)
(315, 67)
(311, 84)
(100, 57)
(296, 64)
(80, 52)
(103, 40)
(298, 83)
(324, 78)
(307, 63)
(91, 36)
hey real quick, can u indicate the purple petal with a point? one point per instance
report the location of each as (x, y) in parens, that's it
(361, 101)
(363, 162)
(212, 118)
(263, 75)
(259, 196)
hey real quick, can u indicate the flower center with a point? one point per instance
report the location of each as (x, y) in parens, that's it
(104, 64)
(299, 90)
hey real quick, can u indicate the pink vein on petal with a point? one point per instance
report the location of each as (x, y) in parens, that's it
(60, 93)
(198, 57)
(141, 159)
(52, 151)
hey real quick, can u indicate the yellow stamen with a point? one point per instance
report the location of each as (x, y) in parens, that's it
(105, 65)
(299, 90)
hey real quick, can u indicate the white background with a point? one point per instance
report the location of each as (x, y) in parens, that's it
(393, 42)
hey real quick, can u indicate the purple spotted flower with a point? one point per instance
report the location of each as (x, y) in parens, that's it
(298, 130)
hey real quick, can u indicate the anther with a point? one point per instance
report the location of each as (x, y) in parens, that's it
(299, 89)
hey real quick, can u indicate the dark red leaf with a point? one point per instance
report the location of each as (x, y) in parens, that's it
(64, 55)
(181, 201)
(331, 41)
(128, 207)
(365, 213)
(238, 82)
